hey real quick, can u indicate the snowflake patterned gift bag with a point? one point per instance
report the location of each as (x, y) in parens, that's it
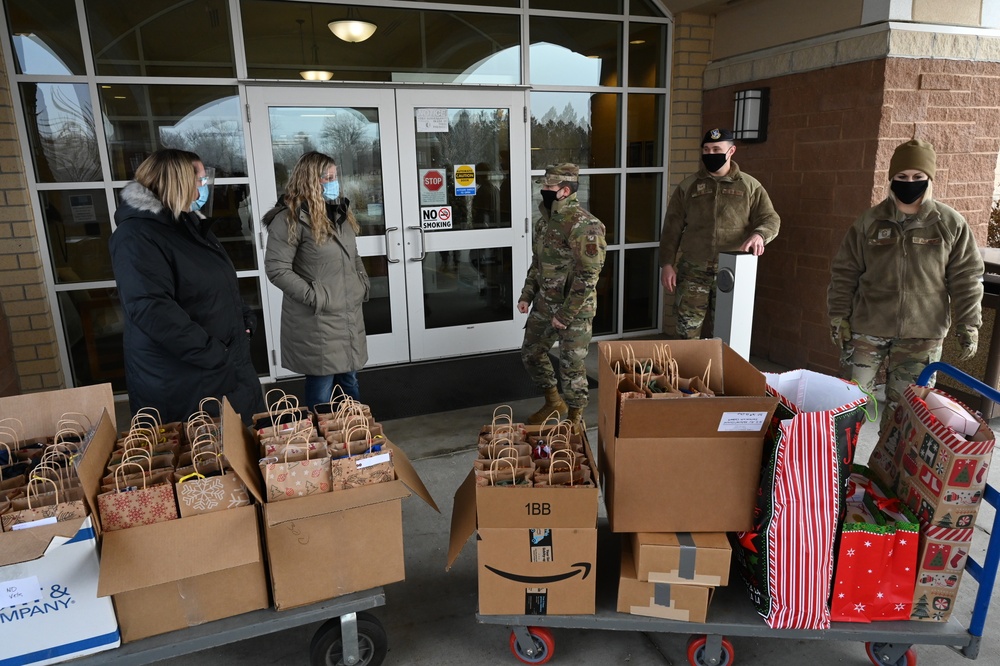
(131, 506)
(207, 489)
(286, 479)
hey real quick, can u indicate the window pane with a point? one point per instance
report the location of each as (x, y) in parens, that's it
(596, 6)
(598, 194)
(464, 287)
(575, 52)
(92, 320)
(606, 319)
(646, 57)
(61, 131)
(46, 36)
(641, 290)
(250, 292)
(283, 39)
(377, 310)
(645, 8)
(161, 38)
(581, 128)
(229, 208)
(645, 130)
(643, 217)
(206, 120)
(77, 228)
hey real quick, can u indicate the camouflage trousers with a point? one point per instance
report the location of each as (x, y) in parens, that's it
(695, 297)
(905, 359)
(539, 336)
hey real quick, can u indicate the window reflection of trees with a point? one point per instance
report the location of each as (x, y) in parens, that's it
(219, 143)
(560, 137)
(64, 133)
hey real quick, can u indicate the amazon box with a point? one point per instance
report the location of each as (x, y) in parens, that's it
(49, 607)
(670, 601)
(700, 558)
(330, 544)
(685, 464)
(537, 547)
(183, 572)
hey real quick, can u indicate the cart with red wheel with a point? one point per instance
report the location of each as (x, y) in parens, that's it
(732, 613)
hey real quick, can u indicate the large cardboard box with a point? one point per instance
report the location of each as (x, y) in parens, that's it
(537, 551)
(179, 573)
(683, 464)
(670, 601)
(700, 558)
(49, 607)
(330, 544)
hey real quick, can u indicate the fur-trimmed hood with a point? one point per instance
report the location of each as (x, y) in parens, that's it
(141, 199)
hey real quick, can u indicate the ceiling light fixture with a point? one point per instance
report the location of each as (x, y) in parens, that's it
(312, 74)
(352, 29)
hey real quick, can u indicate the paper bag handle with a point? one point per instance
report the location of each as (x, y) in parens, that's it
(368, 438)
(118, 473)
(207, 400)
(32, 480)
(493, 470)
(296, 436)
(553, 461)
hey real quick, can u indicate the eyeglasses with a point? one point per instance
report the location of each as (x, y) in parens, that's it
(203, 180)
(327, 179)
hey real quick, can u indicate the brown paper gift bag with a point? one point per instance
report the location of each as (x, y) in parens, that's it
(199, 493)
(502, 472)
(565, 469)
(286, 479)
(364, 469)
(40, 507)
(127, 506)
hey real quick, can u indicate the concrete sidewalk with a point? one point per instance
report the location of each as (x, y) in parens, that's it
(430, 617)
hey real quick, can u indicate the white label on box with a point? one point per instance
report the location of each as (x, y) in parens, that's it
(20, 591)
(742, 421)
(35, 523)
(374, 460)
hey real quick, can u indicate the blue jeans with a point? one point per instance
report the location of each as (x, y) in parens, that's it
(319, 387)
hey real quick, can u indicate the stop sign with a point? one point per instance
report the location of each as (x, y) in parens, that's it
(433, 180)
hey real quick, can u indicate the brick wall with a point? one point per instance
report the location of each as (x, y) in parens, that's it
(29, 355)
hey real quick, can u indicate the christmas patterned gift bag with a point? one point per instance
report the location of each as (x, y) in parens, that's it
(131, 506)
(58, 507)
(206, 492)
(787, 560)
(364, 469)
(286, 479)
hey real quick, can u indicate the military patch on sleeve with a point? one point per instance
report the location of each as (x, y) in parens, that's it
(591, 249)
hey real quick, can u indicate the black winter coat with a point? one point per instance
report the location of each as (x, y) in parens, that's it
(185, 323)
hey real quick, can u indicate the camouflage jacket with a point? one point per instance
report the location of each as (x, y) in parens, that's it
(707, 216)
(568, 249)
(896, 280)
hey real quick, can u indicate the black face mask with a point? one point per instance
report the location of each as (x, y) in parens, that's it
(908, 191)
(713, 161)
(549, 197)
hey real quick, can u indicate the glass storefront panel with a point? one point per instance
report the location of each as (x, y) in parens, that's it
(250, 292)
(606, 319)
(641, 289)
(45, 36)
(161, 38)
(60, 121)
(467, 287)
(575, 52)
(93, 323)
(206, 120)
(647, 55)
(645, 130)
(230, 210)
(643, 217)
(77, 230)
(596, 6)
(377, 309)
(284, 39)
(581, 128)
(598, 194)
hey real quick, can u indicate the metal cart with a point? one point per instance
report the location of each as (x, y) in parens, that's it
(732, 613)
(349, 637)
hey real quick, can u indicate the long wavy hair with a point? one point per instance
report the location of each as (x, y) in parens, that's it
(304, 190)
(169, 174)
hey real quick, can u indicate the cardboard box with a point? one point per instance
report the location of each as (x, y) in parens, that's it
(939, 473)
(682, 557)
(178, 573)
(683, 464)
(54, 566)
(330, 544)
(558, 576)
(670, 601)
(943, 553)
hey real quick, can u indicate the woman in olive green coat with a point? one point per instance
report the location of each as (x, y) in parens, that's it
(313, 259)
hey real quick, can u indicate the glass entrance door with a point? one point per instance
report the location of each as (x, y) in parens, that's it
(437, 181)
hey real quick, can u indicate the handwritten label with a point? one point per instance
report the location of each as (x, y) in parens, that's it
(374, 460)
(742, 421)
(19, 591)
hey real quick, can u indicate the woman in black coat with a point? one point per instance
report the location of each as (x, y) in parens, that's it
(187, 330)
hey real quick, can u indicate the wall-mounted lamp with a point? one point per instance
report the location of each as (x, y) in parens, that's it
(750, 115)
(352, 29)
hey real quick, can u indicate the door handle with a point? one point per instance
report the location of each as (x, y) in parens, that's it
(387, 257)
(423, 243)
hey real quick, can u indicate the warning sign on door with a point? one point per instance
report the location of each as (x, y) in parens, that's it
(465, 180)
(435, 218)
(432, 187)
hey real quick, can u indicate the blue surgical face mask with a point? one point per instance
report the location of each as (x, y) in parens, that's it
(202, 198)
(331, 190)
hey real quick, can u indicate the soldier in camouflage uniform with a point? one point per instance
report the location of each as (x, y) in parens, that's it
(560, 290)
(902, 268)
(718, 209)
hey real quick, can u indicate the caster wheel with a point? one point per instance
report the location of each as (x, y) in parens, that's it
(696, 652)
(327, 648)
(545, 646)
(909, 657)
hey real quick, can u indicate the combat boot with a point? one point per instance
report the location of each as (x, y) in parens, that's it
(553, 403)
(575, 414)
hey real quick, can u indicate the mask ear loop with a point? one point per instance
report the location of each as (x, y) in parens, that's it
(871, 396)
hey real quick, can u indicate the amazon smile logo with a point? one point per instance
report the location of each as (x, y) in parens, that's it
(578, 568)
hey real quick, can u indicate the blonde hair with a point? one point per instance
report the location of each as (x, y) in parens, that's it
(169, 174)
(305, 190)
